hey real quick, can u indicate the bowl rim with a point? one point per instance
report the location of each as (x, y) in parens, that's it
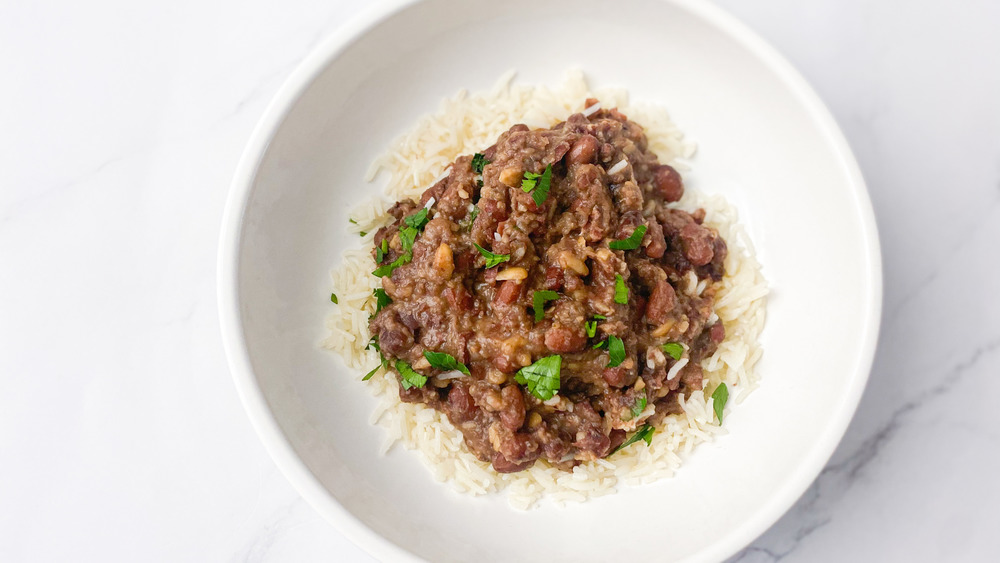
(267, 427)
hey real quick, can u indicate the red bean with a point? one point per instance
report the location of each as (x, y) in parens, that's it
(512, 415)
(584, 150)
(661, 301)
(668, 182)
(696, 243)
(657, 244)
(562, 339)
(460, 404)
(509, 291)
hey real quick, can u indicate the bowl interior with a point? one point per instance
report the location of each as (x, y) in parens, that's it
(764, 142)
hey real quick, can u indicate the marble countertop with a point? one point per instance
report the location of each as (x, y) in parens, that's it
(121, 434)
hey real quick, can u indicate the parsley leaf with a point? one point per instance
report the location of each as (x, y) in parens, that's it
(632, 242)
(541, 377)
(616, 351)
(538, 185)
(445, 362)
(479, 162)
(408, 377)
(418, 219)
(492, 259)
(406, 238)
(381, 251)
(538, 301)
(381, 299)
(645, 434)
(621, 290)
(719, 398)
(387, 269)
(333, 297)
(639, 406)
(591, 328)
(675, 349)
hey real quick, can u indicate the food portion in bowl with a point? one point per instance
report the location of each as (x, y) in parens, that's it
(554, 307)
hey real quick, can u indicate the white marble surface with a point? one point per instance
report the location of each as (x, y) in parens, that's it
(121, 435)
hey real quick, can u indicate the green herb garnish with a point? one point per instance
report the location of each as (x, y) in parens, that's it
(645, 434)
(407, 237)
(538, 301)
(674, 349)
(600, 317)
(387, 269)
(541, 377)
(333, 297)
(616, 351)
(479, 162)
(538, 185)
(445, 362)
(639, 406)
(371, 373)
(621, 290)
(408, 377)
(473, 214)
(492, 259)
(632, 242)
(363, 233)
(591, 328)
(352, 221)
(381, 251)
(719, 398)
(417, 220)
(381, 299)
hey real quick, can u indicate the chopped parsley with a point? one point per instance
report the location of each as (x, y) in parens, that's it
(538, 185)
(333, 297)
(371, 373)
(616, 351)
(381, 299)
(492, 259)
(719, 398)
(632, 242)
(387, 269)
(621, 290)
(363, 234)
(352, 221)
(674, 349)
(639, 406)
(645, 434)
(541, 377)
(407, 237)
(445, 362)
(418, 219)
(600, 317)
(591, 328)
(479, 162)
(408, 377)
(601, 344)
(383, 363)
(381, 251)
(538, 301)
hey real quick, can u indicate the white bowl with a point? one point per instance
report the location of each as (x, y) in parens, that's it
(765, 141)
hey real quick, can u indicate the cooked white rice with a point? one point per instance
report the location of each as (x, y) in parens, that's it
(466, 124)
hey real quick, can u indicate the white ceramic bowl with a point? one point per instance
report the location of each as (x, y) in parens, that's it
(765, 141)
